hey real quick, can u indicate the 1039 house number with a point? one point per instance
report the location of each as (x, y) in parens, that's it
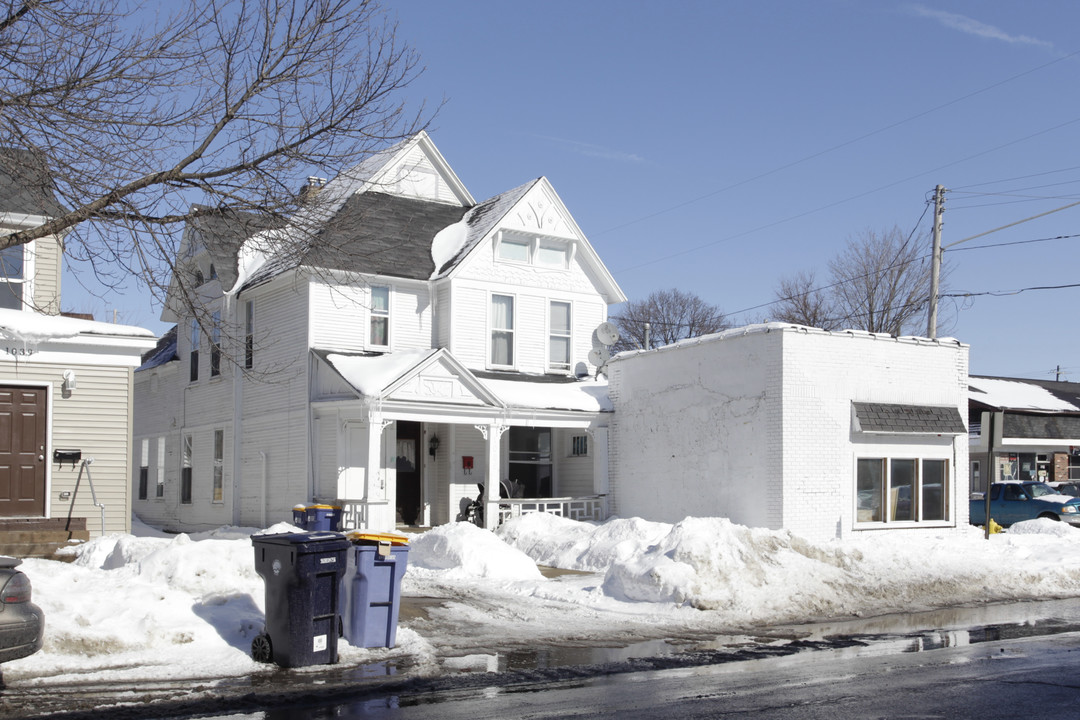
(19, 351)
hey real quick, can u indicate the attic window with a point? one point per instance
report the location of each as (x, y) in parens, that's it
(533, 250)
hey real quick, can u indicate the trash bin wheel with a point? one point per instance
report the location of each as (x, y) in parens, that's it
(261, 649)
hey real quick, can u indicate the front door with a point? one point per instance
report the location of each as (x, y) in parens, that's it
(22, 451)
(408, 472)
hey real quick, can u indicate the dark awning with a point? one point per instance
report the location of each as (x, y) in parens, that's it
(908, 419)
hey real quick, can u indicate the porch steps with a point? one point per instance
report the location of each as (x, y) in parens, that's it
(40, 537)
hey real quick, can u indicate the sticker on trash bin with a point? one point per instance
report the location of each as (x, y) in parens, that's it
(326, 560)
(320, 643)
(276, 566)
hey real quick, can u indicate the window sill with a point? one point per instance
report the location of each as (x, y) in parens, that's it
(904, 525)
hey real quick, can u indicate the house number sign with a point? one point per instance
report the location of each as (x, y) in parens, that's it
(18, 351)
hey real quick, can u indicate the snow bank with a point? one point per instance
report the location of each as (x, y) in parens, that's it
(462, 550)
(563, 543)
(154, 607)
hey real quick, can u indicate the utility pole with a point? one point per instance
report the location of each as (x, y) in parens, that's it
(935, 262)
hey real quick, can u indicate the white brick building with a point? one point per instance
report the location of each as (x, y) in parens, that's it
(825, 434)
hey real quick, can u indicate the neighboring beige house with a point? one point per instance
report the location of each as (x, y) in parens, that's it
(425, 344)
(65, 383)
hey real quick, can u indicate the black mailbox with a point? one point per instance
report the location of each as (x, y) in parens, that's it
(71, 456)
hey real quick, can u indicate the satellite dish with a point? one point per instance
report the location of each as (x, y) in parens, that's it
(607, 333)
(599, 356)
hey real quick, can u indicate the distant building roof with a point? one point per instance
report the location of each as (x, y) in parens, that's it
(26, 185)
(1000, 393)
(163, 352)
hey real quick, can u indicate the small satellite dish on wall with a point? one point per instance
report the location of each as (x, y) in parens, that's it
(599, 356)
(607, 333)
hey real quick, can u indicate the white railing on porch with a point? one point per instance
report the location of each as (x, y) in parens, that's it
(593, 507)
(356, 514)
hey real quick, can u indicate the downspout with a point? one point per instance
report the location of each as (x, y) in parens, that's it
(262, 455)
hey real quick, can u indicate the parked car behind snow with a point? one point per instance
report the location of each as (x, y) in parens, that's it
(1012, 502)
(22, 623)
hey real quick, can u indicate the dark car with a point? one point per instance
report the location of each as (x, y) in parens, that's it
(22, 624)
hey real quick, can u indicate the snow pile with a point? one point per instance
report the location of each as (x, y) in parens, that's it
(462, 550)
(564, 543)
(153, 607)
(447, 243)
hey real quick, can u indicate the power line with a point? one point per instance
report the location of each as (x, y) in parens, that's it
(839, 146)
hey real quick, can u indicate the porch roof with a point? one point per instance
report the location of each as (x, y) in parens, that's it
(383, 375)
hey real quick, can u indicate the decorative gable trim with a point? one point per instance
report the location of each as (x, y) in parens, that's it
(406, 174)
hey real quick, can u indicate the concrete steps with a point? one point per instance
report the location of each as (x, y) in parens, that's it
(40, 537)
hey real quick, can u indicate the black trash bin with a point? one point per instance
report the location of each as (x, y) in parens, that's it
(302, 573)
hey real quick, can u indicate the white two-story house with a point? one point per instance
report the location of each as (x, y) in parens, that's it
(423, 344)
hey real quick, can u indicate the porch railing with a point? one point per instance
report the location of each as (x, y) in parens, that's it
(593, 507)
(357, 513)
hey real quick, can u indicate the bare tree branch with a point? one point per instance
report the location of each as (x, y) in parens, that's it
(144, 115)
(672, 315)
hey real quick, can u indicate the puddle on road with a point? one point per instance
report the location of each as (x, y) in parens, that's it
(882, 635)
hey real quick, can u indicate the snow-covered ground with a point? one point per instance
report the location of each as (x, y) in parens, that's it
(155, 607)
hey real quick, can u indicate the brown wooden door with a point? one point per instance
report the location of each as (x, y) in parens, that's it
(22, 452)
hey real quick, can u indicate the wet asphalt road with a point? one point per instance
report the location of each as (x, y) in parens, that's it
(1013, 660)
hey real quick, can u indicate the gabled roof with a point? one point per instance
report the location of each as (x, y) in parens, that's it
(162, 353)
(26, 184)
(1000, 393)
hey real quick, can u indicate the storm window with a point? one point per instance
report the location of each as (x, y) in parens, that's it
(380, 316)
(559, 336)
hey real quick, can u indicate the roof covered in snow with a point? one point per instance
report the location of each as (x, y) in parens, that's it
(1001, 393)
(373, 374)
(33, 327)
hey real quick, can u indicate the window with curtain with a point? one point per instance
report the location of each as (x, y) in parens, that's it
(194, 355)
(185, 470)
(219, 466)
(559, 336)
(380, 316)
(502, 330)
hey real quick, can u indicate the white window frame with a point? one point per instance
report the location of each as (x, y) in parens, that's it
(383, 315)
(533, 245)
(27, 279)
(568, 337)
(887, 510)
(142, 492)
(512, 331)
(215, 344)
(159, 491)
(187, 462)
(217, 488)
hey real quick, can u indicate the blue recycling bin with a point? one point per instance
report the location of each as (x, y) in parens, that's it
(371, 593)
(317, 517)
(302, 575)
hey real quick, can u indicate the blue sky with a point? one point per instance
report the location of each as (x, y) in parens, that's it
(719, 146)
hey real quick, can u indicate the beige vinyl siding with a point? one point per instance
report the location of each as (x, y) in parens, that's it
(47, 254)
(95, 419)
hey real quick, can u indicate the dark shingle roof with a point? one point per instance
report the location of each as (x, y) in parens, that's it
(382, 234)
(26, 185)
(225, 231)
(924, 419)
(1043, 427)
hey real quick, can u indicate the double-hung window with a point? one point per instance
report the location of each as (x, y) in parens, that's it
(218, 494)
(902, 490)
(215, 345)
(186, 470)
(380, 316)
(559, 336)
(249, 334)
(194, 355)
(502, 330)
(14, 291)
(144, 468)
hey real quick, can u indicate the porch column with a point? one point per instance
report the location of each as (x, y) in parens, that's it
(380, 510)
(492, 434)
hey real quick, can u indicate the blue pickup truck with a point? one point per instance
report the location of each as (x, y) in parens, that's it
(1011, 502)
